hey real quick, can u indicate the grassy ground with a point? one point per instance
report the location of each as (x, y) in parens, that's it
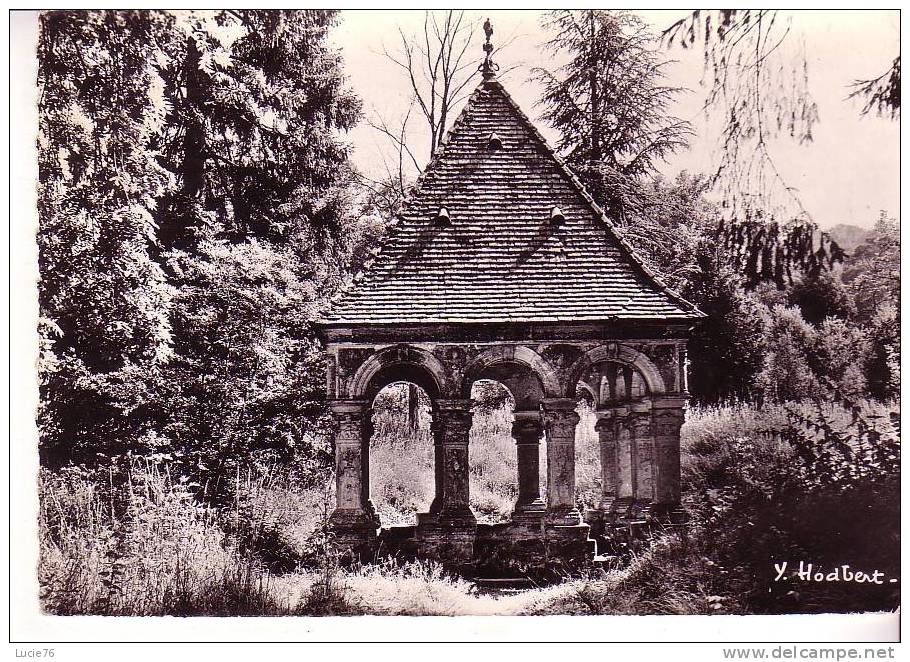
(144, 546)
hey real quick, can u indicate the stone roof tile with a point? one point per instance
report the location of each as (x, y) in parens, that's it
(500, 258)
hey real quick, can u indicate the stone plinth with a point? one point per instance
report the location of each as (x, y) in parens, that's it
(542, 552)
(447, 540)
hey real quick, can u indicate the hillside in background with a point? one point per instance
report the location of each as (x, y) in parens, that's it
(848, 236)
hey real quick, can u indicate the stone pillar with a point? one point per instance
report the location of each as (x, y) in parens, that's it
(451, 433)
(353, 518)
(448, 531)
(669, 416)
(606, 431)
(526, 430)
(560, 420)
(642, 452)
(625, 480)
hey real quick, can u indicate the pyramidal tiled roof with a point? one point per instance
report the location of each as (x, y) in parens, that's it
(500, 258)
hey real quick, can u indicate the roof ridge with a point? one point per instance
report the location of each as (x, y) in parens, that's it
(596, 208)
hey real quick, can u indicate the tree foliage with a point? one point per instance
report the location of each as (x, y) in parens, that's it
(252, 132)
(821, 296)
(766, 251)
(757, 83)
(609, 102)
(103, 300)
(727, 348)
(882, 95)
(192, 203)
(872, 271)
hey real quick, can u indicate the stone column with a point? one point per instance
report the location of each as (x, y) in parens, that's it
(606, 431)
(526, 430)
(625, 479)
(353, 515)
(642, 452)
(448, 531)
(668, 418)
(560, 420)
(451, 433)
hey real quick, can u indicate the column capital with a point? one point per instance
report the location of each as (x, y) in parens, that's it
(352, 407)
(454, 405)
(452, 421)
(560, 412)
(640, 423)
(605, 422)
(527, 427)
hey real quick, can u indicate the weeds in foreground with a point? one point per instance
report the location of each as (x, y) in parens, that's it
(145, 546)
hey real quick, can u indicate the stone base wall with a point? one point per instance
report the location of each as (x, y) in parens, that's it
(538, 550)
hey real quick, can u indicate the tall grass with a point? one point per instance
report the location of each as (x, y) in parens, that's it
(135, 542)
(143, 548)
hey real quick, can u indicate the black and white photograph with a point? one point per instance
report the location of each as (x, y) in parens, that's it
(331, 313)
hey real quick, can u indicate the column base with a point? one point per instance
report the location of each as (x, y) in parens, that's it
(447, 538)
(564, 516)
(530, 513)
(355, 532)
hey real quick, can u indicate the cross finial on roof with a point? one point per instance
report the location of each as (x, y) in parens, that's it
(488, 68)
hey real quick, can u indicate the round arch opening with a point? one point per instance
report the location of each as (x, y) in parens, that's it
(401, 462)
(493, 464)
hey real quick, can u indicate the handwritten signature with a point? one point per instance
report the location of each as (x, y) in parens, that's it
(809, 572)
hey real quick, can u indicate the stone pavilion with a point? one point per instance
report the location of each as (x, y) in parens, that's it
(500, 266)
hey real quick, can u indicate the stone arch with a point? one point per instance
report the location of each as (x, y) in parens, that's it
(519, 354)
(617, 353)
(404, 363)
(584, 386)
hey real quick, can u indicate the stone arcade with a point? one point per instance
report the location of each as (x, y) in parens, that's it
(500, 266)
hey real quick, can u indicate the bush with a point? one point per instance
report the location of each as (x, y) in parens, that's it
(786, 373)
(816, 483)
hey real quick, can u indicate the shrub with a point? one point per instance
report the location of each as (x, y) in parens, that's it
(786, 373)
(812, 482)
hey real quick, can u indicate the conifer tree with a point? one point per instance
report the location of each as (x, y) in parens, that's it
(103, 301)
(610, 104)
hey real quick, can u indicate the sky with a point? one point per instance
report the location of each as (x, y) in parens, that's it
(846, 175)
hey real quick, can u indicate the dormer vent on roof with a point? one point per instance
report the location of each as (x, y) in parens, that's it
(494, 141)
(556, 216)
(442, 217)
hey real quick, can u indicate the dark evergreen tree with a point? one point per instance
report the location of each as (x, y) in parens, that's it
(253, 129)
(104, 302)
(609, 103)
